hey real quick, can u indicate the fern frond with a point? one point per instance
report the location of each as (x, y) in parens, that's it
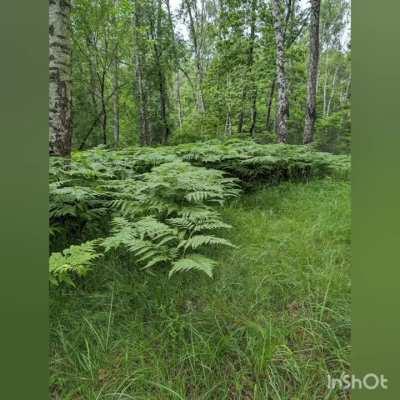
(200, 240)
(73, 261)
(193, 262)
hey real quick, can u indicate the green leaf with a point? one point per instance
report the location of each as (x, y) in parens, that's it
(193, 262)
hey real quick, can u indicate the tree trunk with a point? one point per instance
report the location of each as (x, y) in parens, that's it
(60, 101)
(228, 124)
(288, 40)
(348, 89)
(163, 107)
(103, 107)
(145, 134)
(250, 62)
(241, 115)
(283, 104)
(116, 102)
(311, 114)
(228, 120)
(161, 77)
(176, 64)
(93, 79)
(269, 107)
(325, 91)
(178, 98)
(145, 139)
(328, 109)
(116, 88)
(197, 56)
(253, 115)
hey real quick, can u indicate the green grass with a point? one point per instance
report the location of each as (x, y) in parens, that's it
(273, 322)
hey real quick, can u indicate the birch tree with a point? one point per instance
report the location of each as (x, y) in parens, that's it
(249, 79)
(60, 101)
(194, 17)
(116, 83)
(145, 135)
(283, 103)
(311, 114)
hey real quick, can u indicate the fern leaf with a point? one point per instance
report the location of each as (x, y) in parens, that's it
(200, 240)
(193, 262)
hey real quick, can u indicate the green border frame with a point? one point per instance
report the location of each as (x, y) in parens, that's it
(376, 194)
(24, 201)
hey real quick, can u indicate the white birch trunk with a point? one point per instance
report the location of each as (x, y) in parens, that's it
(328, 109)
(116, 86)
(311, 113)
(283, 104)
(60, 102)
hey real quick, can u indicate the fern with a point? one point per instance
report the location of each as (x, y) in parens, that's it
(161, 203)
(74, 261)
(204, 240)
(193, 262)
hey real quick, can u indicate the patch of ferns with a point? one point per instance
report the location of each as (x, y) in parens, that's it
(160, 204)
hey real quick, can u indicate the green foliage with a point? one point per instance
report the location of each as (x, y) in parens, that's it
(333, 132)
(155, 215)
(74, 261)
(159, 204)
(193, 262)
(234, 70)
(252, 162)
(274, 320)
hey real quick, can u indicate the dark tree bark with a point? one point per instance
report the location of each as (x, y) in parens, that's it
(311, 113)
(283, 104)
(60, 101)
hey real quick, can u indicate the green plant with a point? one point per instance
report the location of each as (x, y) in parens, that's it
(72, 262)
(160, 204)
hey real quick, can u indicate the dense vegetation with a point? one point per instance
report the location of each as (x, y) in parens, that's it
(271, 324)
(199, 199)
(156, 71)
(158, 204)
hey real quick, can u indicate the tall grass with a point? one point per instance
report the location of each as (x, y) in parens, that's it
(272, 323)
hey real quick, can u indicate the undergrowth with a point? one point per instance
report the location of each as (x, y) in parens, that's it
(272, 323)
(159, 204)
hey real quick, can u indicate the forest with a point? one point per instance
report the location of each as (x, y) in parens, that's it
(199, 210)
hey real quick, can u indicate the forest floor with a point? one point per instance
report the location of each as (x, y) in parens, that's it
(272, 323)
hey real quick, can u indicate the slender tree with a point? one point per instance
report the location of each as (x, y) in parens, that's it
(311, 113)
(176, 63)
(295, 22)
(249, 71)
(192, 11)
(162, 84)
(283, 103)
(141, 92)
(60, 101)
(116, 82)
